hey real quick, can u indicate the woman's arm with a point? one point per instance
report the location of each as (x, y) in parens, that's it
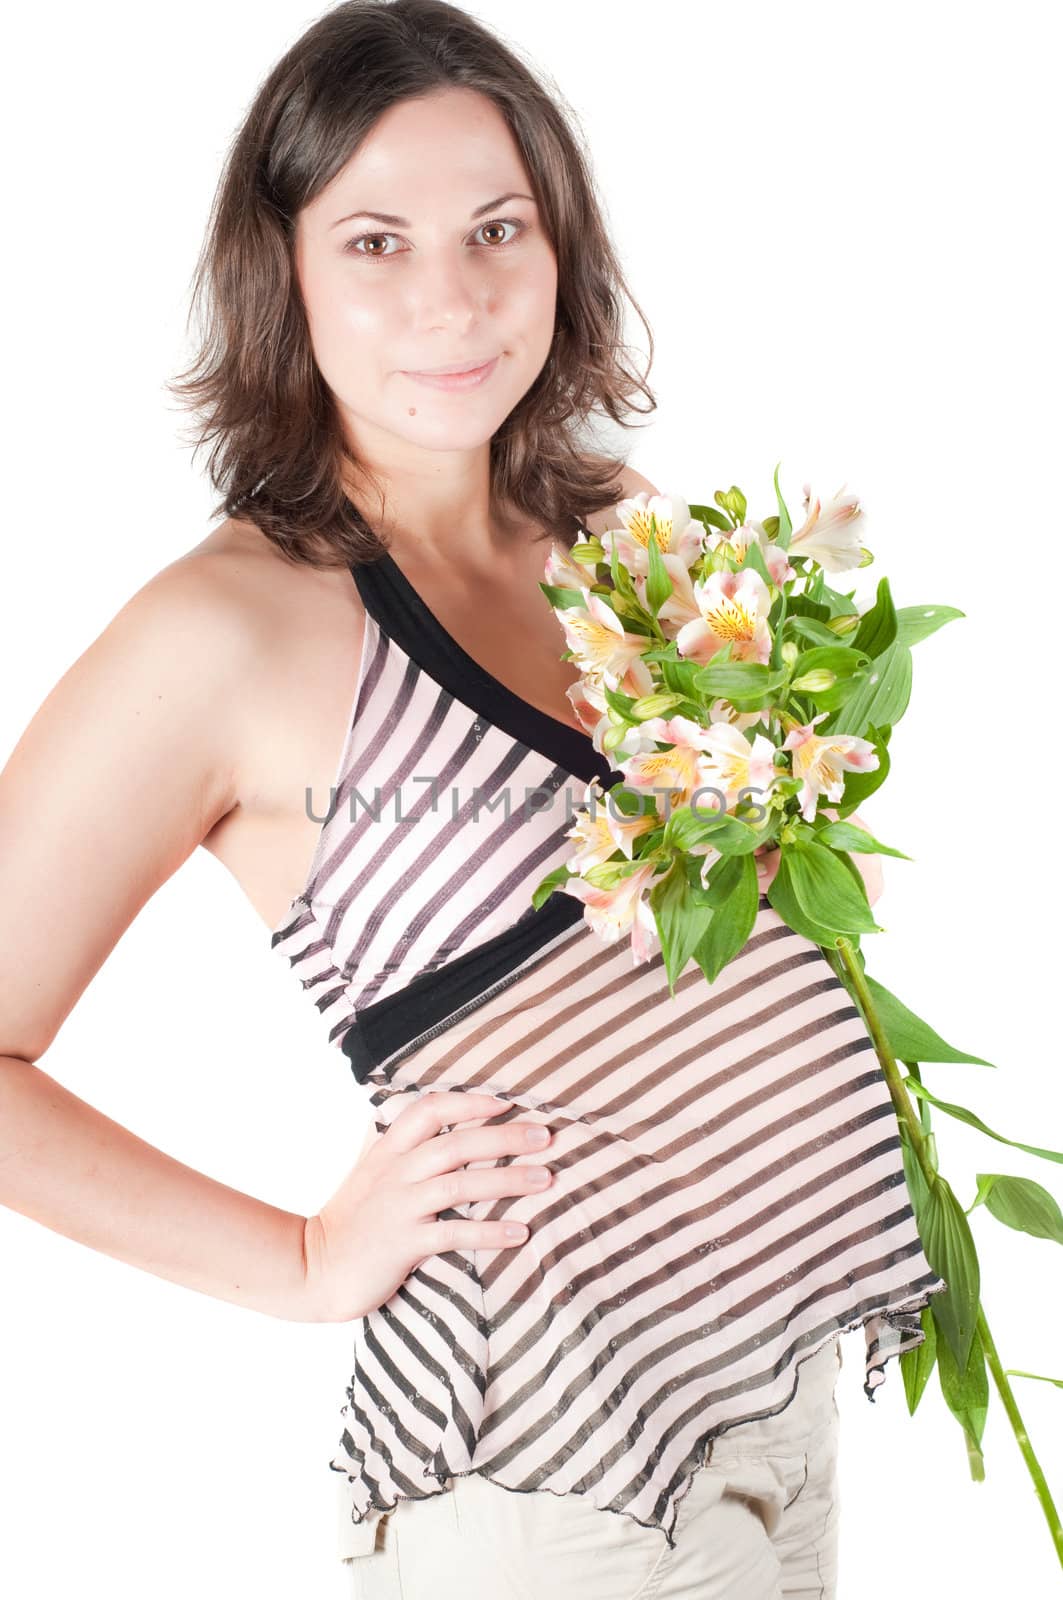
(126, 766)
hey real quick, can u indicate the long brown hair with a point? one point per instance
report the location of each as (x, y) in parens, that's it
(278, 449)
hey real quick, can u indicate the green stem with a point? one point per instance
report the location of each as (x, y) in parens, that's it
(1018, 1427)
(919, 1142)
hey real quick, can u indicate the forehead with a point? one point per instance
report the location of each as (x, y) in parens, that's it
(451, 146)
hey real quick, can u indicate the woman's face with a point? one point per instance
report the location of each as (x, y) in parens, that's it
(453, 267)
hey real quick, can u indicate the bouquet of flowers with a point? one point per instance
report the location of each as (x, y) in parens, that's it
(735, 691)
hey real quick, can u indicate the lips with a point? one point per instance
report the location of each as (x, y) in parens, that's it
(468, 378)
(455, 368)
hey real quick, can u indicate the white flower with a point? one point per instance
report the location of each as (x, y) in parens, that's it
(831, 534)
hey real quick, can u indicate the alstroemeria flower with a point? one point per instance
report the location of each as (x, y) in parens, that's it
(830, 534)
(587, 698)
(724, 711)
(678, 534)
(612, 913)
(561, 572)
(734, 610)
(678, 770)
(601, 645)
(602, 830)
(681, 605)
(732, 764)
(776, 558)
(711, 854)
(821, 762)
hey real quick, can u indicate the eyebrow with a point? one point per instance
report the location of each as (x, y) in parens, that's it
(404, 222)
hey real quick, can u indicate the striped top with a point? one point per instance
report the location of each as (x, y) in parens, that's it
(728, 1191)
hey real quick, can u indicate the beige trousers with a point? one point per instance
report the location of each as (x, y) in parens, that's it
(759, 1522)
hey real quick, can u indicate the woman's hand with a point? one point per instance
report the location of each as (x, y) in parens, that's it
(867, 863)
(382, 1221)
(767, 864)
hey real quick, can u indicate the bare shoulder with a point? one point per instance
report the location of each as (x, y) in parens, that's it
(635, 483)
(239, 606)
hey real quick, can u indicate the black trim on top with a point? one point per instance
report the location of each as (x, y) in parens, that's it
(393, 1024)
(389, 1028)
(393, 602)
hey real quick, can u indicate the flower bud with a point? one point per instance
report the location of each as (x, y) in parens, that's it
(819, 678)
(790, 652)
(654, 705)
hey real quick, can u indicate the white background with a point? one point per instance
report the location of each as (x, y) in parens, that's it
(839, 221)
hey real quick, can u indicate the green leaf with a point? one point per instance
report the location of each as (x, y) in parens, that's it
(564, 598)
(619, 702)
(621, 579)
(733, 883)
(963, 1115)
(687, 826)
(881, 697)
(545, 888)
(910, 1038)
(780, 893)
(844, 667)
(840, 659)
(847, 836)
(658, 583)
(1022, 1204)
(878, 625)
(678, 677)
(709, 514)
(918, 622)
(965, 1386)
(739, 680)
(754, 557)
(826, 890)
(779, 618)
(948, 1245)
(809, 628)
(919, 1363)
(681, 922)
(786, 527)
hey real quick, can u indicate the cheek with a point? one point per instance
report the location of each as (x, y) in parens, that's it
(533, 303)
(351, 329)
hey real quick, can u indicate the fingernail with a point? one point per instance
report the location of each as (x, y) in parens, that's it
(515, 1230)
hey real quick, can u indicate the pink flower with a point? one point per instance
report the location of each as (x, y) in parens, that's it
(601, 646)
(775, 557)
(601, 830)
(678, 534)
(733, 610)
(621, 910)
(679, 769)
(821, 762)
(561, 572)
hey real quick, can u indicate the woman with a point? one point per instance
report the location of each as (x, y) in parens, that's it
(602, 1240)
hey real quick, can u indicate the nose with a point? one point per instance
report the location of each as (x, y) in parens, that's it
(449, 291)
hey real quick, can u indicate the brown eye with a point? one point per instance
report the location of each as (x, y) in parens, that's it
(353, 247)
